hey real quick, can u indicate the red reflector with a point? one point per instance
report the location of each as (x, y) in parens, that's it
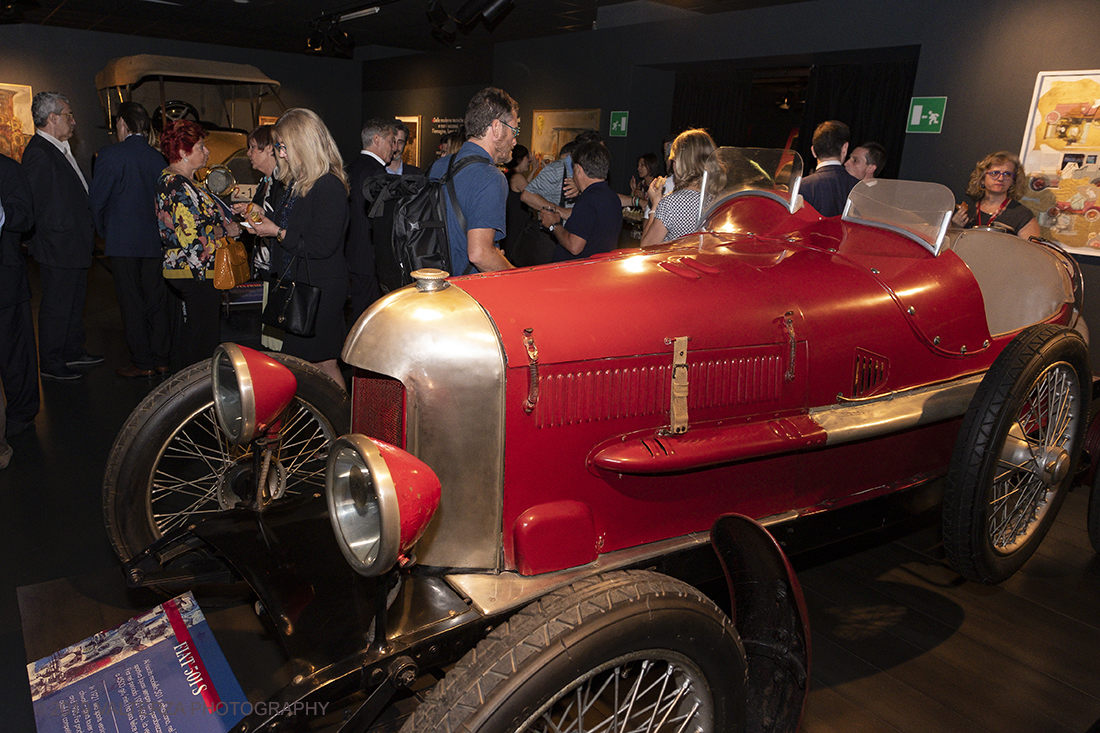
(378, 407)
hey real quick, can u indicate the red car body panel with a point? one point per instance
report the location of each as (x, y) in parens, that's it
(881, 305)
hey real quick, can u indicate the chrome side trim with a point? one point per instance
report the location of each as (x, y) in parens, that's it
(492, 594)
(895, 411)
(443, 347)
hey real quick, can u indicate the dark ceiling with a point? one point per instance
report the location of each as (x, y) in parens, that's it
(284, 25)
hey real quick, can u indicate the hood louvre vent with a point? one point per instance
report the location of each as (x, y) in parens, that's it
(871, 371)
(572, 397)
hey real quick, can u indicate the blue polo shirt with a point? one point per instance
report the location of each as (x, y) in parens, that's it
(482, 192)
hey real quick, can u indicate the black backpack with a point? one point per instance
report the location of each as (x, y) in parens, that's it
(412, 211)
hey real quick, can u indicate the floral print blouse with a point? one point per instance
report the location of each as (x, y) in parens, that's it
(190, 224)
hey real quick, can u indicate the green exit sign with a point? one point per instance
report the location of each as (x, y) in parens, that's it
(618, 124)
(926, 114)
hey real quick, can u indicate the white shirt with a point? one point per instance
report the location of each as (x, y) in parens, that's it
(66, 150)
(373, 155)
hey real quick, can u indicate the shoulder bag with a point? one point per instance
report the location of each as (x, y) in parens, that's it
(292, 305)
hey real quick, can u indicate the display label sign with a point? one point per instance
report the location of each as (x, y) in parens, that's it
(618, 124)
(926, 114)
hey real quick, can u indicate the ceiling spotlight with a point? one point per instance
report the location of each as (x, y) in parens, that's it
(442, 24)
(494, 9)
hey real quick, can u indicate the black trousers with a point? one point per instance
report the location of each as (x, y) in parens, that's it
(143, 301)
(19, 364)
(200, 330)
(61, 315)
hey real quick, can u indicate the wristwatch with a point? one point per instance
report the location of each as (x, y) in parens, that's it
(551, 228)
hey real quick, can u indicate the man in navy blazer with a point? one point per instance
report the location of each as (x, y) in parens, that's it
(122, 196)
(63, 237)
(18, 354)
(827, 188)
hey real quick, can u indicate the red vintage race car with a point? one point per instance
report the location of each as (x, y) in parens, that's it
(558, 479)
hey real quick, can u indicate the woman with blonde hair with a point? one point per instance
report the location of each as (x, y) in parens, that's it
(676, 214)
(307, 227)
(996, 185)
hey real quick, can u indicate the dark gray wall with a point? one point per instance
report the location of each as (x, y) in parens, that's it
(66, 61)
(982, 55)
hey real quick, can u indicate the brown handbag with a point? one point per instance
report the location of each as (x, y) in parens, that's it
(230, 264)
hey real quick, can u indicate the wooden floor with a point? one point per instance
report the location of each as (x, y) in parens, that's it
(902, 643)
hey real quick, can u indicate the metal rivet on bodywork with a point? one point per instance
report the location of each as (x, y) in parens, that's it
(912, 310)
(985, 344)
(936, 341)
(874, 270)
(962, 350)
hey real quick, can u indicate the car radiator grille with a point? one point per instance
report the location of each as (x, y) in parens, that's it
(378, 407)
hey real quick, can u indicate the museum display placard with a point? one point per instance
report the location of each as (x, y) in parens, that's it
(160, 671)
(1061, 155)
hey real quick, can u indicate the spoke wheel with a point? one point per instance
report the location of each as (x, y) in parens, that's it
(624, 652)
(1016, 454)
(171, 464)
(639, 692)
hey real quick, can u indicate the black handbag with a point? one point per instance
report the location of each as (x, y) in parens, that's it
(292, 305)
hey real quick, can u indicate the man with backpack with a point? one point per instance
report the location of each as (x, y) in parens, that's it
(492, 126)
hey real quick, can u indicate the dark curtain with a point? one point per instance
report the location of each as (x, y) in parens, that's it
(872, 99)
(716, 102)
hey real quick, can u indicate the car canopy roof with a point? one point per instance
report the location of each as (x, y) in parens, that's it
(130, 70)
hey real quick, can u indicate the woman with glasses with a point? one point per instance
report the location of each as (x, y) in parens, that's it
(191, 222)
(996, 185)
(307, 229)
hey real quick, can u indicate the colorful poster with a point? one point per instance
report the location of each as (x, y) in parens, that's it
(553, 128)
(161, 672)
(1061, 155)
(16, 127)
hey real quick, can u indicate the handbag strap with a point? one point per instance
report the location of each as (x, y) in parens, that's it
(298, 256)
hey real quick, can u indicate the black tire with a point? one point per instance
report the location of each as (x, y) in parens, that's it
(171, 459)
(590, 646)
(1016, 453)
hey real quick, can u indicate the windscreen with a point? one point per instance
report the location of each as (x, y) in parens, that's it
(733, 171)
(921, 211)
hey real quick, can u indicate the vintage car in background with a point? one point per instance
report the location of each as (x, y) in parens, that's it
(558, 479)
(227, 99)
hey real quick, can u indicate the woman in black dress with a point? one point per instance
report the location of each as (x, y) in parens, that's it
(308, 227)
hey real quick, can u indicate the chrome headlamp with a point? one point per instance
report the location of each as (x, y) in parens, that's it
(380, 501)
(251, 390)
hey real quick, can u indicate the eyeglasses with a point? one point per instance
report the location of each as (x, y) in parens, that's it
(70, 115)
(1000, 174)
(515, 130)
(281, 147)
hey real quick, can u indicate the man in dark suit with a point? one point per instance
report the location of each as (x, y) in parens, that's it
(827, 188)
(63, 237)
(18, 356)
(378, 147)
(398, 166)
(122, 198)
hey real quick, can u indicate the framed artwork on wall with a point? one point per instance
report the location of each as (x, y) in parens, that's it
(411, 155)
(1061, 156)
(553, 128)
(16, 126)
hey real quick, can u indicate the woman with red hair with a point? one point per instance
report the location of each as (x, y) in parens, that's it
(191, 222)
